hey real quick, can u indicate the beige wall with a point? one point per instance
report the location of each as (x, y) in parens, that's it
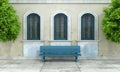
(106, 48)
(11, 48)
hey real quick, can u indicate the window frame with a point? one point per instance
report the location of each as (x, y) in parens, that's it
(65, 26)
(96, 30)
(68, 26)
(25, 25)
(28, 27)
(92, 27)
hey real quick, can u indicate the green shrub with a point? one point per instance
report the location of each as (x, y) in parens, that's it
(111, 21)
(9, 22)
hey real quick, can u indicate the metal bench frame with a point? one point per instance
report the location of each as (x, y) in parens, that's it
(60, 51)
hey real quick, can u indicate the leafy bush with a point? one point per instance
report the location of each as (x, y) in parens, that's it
(9, 22)
(111, 21)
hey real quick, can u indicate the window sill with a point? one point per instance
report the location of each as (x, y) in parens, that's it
(88, 40)
(32, 40)
(59, 40)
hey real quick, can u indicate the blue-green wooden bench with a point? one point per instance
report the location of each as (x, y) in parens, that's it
(60, 51)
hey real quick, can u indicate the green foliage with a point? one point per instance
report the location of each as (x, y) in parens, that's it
(111, 21)
(9, 23)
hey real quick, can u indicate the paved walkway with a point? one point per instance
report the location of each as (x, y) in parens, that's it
(83, 65)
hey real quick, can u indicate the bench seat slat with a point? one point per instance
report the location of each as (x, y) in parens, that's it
(60, 50)
(59, 54)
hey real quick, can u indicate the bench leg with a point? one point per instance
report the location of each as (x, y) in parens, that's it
(76, 58)
(43, 58)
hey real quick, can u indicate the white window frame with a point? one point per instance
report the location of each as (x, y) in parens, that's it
(68, 27)
(25, 25)
(95, 25)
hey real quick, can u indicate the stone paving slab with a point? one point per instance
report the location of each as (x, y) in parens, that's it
(20, 65)
(60, 67)
(83, 65)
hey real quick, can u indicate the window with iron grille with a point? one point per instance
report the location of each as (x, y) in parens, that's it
(87, 27)
(33, 27)
(60, 27)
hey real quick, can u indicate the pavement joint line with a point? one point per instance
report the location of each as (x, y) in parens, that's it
(42, 67)
(78, 66)
(116, 67)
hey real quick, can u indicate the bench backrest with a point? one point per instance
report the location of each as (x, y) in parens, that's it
(60, 49)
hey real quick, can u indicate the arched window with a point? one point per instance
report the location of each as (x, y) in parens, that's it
(60, 27)
(33, 27)
(87, 27)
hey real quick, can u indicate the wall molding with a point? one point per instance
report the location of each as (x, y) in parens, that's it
(60, 1)
(107, 58)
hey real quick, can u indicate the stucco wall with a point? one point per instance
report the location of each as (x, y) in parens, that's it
(8, 49)
(105, 47)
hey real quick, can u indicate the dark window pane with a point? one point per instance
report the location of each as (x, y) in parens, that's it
(87, 27)
(60, 27)
(33, 27)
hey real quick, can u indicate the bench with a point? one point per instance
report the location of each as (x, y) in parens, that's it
(60, 51)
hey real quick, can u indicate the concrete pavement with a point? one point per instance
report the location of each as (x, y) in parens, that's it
(57, 65)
